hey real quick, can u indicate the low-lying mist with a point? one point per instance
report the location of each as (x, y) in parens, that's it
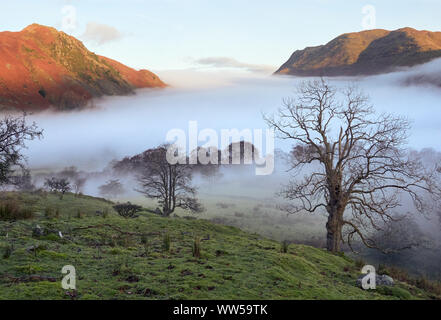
(125, 126)
(121, 126)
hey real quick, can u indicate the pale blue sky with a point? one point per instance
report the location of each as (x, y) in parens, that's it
(171, 34)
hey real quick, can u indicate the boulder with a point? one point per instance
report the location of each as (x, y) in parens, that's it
(380, 280)
(384, 280)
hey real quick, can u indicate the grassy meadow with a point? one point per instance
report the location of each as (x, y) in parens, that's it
(152, 257)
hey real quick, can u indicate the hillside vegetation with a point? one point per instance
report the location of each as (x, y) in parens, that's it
(151, 257)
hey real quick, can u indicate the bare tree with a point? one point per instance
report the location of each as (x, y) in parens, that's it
(22, 181)
(76, 178)
(112, 188)
(61, 185)
(169, 183)
(13, 133)
(78, 184)
(359, 166)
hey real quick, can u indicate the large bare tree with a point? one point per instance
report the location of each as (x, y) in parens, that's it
(355, 167)
(168, 183)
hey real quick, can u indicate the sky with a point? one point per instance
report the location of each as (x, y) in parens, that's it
(250, 35)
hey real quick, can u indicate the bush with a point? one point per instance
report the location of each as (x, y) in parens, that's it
(127, 210)
(11, 210)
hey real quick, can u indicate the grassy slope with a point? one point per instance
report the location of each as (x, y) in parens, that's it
(111, 265)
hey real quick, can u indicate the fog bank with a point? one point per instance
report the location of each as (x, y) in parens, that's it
(121, 126)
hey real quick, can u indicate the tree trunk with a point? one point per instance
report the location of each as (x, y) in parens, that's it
(165, 211)
(333, 228)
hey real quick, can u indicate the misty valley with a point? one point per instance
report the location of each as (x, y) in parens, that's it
(217, 179)
(99, 151)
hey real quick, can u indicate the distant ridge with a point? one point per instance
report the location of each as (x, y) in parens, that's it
(41, 68)
(364, 53)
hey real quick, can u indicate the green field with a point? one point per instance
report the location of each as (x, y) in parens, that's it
(253, 208)
(127, 258)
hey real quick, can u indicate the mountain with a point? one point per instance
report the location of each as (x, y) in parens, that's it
(364, 53)
(42, 67)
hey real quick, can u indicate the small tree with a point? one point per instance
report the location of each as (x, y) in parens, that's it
(359, 168)
(60, 185)
(111, 189)
(75, 177)
(169, 183)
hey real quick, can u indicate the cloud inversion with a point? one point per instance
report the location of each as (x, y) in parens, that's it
(226, 62)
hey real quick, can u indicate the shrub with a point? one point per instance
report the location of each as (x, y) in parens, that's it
(196, 249)
(11, 210)
(127, 210)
